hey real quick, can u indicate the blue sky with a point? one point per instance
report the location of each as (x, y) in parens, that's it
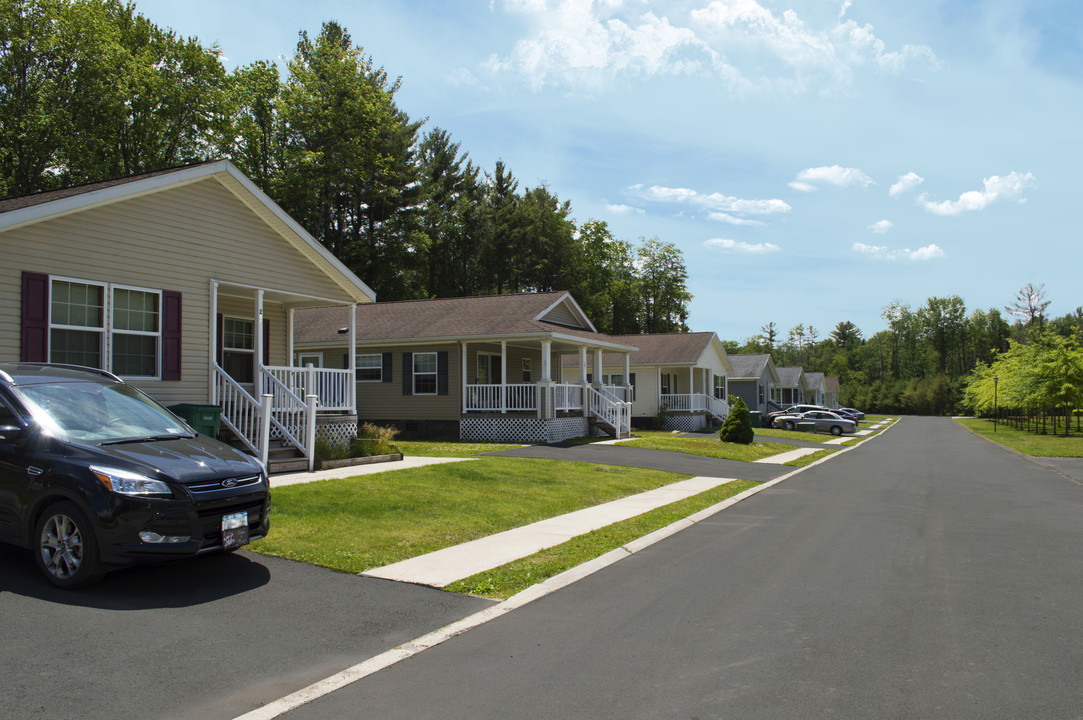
(814, 161)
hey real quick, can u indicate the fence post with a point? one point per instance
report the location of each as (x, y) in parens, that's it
(310, 430)
(265, 429)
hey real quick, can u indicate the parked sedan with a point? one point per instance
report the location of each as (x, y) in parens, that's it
(821, 421)
(848, 414)
(769, 418)
(856, 413)
(94, 475)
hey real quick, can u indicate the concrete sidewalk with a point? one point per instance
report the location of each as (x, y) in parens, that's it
(443, 567)
(352, 470)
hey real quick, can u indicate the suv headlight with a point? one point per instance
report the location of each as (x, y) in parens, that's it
(127, 482)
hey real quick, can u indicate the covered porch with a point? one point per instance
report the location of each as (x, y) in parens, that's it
(692, 397)
(265, 399)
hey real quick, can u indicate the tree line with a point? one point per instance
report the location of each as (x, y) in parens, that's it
(91, 90)
(935, 359)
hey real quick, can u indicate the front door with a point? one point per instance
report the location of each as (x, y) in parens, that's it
(488, 369)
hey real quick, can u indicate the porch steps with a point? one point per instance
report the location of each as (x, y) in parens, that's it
(281, 458)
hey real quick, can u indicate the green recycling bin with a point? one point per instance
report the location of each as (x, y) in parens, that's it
(754, 416)
(204, 419)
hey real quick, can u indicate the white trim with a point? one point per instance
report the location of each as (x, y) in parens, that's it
(435, 373)
(582, 316)
(357, 367)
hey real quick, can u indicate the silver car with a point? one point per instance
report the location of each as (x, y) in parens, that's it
(819, 420)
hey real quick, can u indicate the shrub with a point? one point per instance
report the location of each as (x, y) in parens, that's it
(738, 425)
(373, 440)
(661, 418)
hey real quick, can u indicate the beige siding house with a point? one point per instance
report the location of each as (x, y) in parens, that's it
(185, 283)
(681, 375)
(477, 368)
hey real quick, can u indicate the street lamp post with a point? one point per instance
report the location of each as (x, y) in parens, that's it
(996, 383)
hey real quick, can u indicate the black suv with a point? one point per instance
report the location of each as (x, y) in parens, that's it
(95, 475)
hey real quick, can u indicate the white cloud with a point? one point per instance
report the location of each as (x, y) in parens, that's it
(831, 175)
(882, 226)
(994, 188)
(885, 253)
(742, 247)
(905, 184)
(623, 209)
(731, 220)
(716, 202)
(741, 42)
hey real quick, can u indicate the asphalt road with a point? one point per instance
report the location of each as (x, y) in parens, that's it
(925, 574)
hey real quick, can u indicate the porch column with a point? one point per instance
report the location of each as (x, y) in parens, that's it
(597, 366)
(547, 360)
(351, 382)
(464, 377)
(627, 369)
(212, 386)
(257, 341)
(582, 364)
(691, 384)
(504, 376)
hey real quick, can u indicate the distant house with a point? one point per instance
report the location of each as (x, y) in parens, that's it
(753, 378)
(476, 368)
(684, 375)
(815, 388)
(831, 384)
(184, 282)
(790, 388)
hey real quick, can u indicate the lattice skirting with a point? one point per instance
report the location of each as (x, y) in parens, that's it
(522, 429)
(336, 434)
(686, 423)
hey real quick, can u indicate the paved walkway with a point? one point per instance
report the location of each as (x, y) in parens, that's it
(351, 471)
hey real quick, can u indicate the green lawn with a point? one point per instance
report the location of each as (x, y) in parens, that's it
(708, 445)
(507, 580)
(368, 521)
(1028, 443)
(447, 448)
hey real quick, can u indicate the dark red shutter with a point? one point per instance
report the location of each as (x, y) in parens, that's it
(171, 335)
(220, 324)
(34, 339)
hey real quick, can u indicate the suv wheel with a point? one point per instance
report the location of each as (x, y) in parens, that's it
(67, 550)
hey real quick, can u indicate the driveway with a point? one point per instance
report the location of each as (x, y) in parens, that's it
(208, 638)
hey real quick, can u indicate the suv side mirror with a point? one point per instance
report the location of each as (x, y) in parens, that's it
(11, 433)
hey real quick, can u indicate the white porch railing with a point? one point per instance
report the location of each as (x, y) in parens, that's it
(567, 398)
(486, 398)
(286, 415)
(695, 402)
(615, 413)
(335, 389)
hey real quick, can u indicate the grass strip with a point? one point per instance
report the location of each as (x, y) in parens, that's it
(1028, 443)
(425, 448)
(509, 579)
(708, 446)
(367, 521)
(805, 460)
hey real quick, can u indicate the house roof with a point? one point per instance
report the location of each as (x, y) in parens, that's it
(813, 379)
(30, 209)
(831, 384)
(661, 349)
(751, 367)
(790, 376)
(489, 317)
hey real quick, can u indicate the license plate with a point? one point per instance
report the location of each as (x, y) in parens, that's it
(234, 530)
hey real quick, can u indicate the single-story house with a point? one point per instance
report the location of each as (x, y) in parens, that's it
(183, 282)
(752, 380)
(831, 384)
(683, 375)
(476, 368)
(791, 387)
(815, 389)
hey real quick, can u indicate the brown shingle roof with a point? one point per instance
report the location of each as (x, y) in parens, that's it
(441, 319)
(658, 349)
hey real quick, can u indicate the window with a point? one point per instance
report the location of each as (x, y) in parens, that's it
(86, 318)
(527, 366)
(370, 368)
(665, 383)
(77, 323)
(425, 373)
(238, 348)
(136, 332)
(488, 369)
(720, 387)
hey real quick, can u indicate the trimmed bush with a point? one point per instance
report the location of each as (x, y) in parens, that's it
(738, 425)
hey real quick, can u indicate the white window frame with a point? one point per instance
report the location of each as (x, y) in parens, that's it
(107, 330)
(720, 386)
(434, 372)
(485, 360)
(359, 366)
(250, 352)
(315, 359)
(528, 370)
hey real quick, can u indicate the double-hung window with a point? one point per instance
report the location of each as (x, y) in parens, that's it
(720, 387)
(239, 348)
(425, 373)
(113, 327)
(370, 368)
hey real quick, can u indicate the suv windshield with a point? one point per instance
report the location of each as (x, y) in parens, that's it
(93, 412)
